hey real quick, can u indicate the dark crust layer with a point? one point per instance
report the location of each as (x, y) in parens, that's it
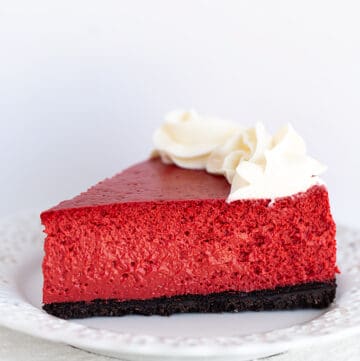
(308, 295)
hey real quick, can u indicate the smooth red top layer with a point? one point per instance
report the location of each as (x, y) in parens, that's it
(156, 230)
(152, 181)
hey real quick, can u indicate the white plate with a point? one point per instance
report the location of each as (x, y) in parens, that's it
(240, 336)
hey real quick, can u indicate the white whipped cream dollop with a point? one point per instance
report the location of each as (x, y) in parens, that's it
(256, 164)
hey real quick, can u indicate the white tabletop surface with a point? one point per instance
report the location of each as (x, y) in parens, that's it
(15, 346)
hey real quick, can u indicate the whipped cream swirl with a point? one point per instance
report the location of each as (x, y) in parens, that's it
(256, 164)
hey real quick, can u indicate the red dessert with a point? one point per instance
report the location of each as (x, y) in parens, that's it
(156, 232)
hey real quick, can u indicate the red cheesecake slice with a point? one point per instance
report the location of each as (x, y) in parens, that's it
(159, 239)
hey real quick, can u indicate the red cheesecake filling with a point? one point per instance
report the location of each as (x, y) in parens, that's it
(158, 230)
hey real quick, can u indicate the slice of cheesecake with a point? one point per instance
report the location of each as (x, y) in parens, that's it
(160, 239)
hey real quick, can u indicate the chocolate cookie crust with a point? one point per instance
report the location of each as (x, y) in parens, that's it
(308, 295)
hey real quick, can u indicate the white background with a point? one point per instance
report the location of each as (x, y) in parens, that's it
(83, 84)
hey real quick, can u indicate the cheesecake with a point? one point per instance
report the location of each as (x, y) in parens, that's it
(219, 219)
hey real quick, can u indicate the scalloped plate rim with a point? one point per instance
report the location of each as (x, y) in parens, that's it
(133, 346)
